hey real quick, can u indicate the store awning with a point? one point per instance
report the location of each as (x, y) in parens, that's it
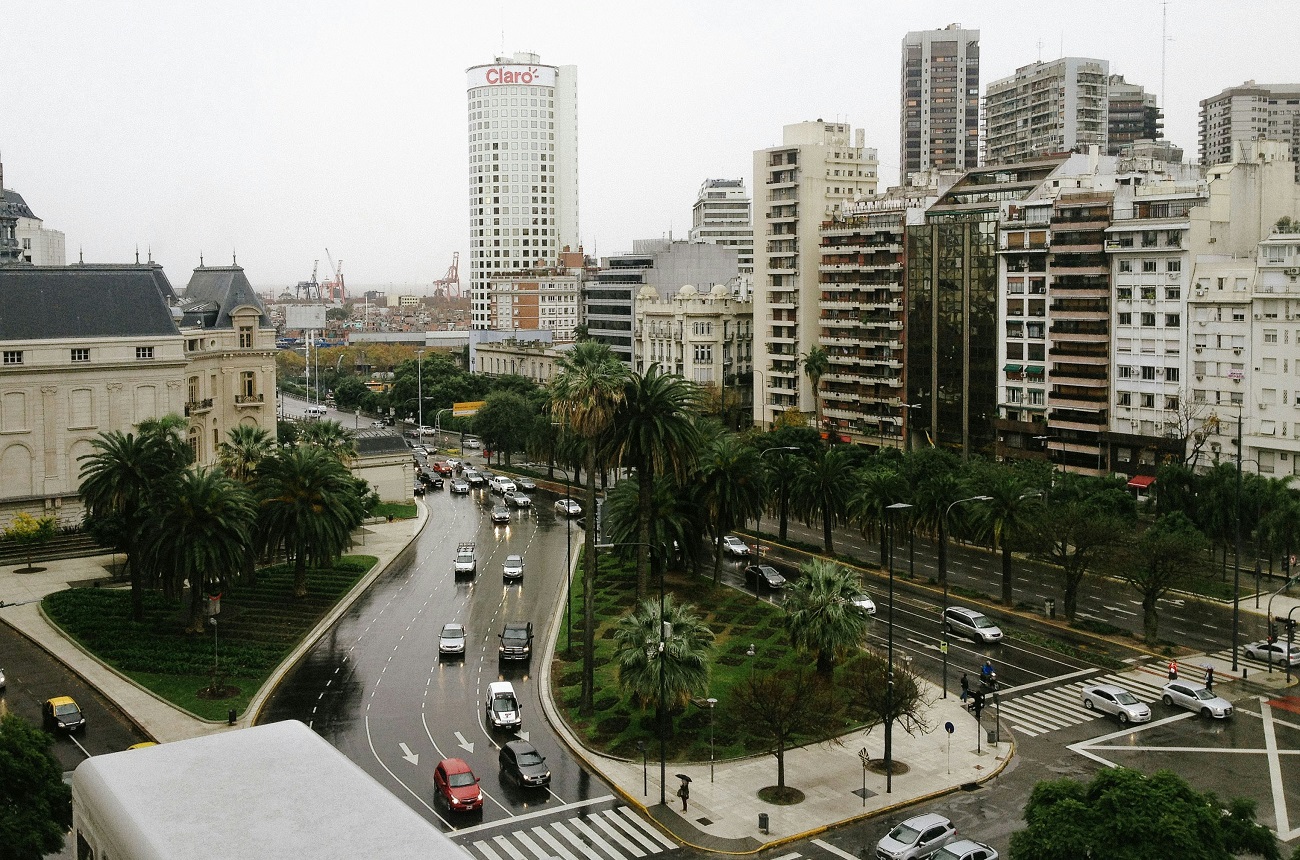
(1034, 369)
(1141, 482)
(1013, 368)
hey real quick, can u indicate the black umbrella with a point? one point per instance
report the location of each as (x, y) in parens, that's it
(683, 777)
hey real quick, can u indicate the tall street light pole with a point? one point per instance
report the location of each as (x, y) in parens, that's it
(758, 524)
(907, 426)
(1236, 554)
(419, 385)
(943, 577)
(896, 507)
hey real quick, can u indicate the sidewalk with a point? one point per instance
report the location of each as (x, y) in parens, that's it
(21, 593)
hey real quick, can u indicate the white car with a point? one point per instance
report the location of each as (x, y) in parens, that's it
(733, 545)
(513, 567)
(516, 499)
(452, 639)
(501, 485)
(471, 442)
(568, 507)
(916, 838)
(1277, 653)
(377, 425)
(1196, 698)
(866, 604)
(1110, 699)
(966, 849)
(453, 462)
(971, 622)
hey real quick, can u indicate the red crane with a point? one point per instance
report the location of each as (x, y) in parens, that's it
(449, 284)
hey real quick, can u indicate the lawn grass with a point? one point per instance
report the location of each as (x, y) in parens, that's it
(737, 619)
(257, 628)
(395, 510)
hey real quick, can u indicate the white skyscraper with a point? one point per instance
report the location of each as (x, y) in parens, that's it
(523, 170)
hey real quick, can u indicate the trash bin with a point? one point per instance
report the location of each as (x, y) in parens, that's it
(993, 736)
(762, 822)
(230, 716)
(1049, 607)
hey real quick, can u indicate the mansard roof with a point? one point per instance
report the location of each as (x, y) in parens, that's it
(52, 302)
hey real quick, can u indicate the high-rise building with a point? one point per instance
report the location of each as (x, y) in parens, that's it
(1133, 115)
(1250, 112)
(523, 170)
(939, 113)
(722, 215)
(818, 166)
(1046, 107)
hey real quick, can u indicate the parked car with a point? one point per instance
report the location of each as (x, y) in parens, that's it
(568, 507)
(1277, 653)
(460, 486)
(966, 849)
(376, 425)
(62, 713)
(1194, 697)
(472, 442)
(501, 485)
(516, 499)
(502, 706)
(972, 623)
(2, 679)
(418, 490)
(916, 838)
(733, 545)
(513, 567)
(457, 785)
(516, 641)
(500, 515)
(865, 603)
(1110, 699)
(451, 641)
(524, 483)
(521, 762)
(764, 574)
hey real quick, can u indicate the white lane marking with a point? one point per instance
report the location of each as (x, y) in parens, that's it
(575, 841)
(1284, 830)
(594, 837)
(486, 850)
(510, 849)
(550, 810)
(532, 846)
(641, 839)
(1058, 678)
(375, 753)
(550, 840)
(1082, 746)
(612, 833)
(826, 846)
(655, 834)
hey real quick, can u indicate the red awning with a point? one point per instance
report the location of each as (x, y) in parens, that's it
(1141, 482)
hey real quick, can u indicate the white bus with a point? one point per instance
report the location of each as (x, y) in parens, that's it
(313, 413)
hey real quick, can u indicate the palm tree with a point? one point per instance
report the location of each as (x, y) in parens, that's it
(654, 432)
(585, 395)
(878, 487)
(821, 616)
(732, 481)
(238, 457)
(930, 501)
(1006, 516)
(674, 520)
(332, 437)
(822, 489)
(781, 471)
(684, 659)
(309, 505)
(815, 364)
(199, 530)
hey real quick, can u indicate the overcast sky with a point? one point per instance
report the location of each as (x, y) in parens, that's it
(278, 129)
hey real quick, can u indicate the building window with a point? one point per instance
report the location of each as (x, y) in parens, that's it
(13, 356)
(1035, 397)
(1124, 398)
(1148, 265)
(1148, 373)
(1171, 374)
(143, 353)
(1148, 401)
(1173, 292)
(1148, 319)
(81, 354)
(248, 383)
(1270, 335)
(1173, 320)
(1126, 265)
(1014, 395)
(1125, 318)
(1171, 403)
(245, 337)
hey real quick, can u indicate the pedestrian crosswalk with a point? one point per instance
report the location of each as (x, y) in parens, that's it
(611, 834)
(1060, 707)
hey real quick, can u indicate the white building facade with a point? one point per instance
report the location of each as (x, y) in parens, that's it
(523, 170)
(940, 102)
(723, 215)
(1047, 107)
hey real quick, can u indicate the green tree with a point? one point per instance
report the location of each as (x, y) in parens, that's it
(1159, 559)
(245, 448)
(30, 532)
(675, 520)
(822, 491)
(866, 677)
(684, 659)
(815, 364)
(199, 530)
(35, 803)
(1006, 516)
(331, 437)
(350, 393)
(876, 488)
(780, 707)
(308, 505)
(654, 433)
(503, 422)
(731, 482)
(1124, 814)
(821, 616)
(585, 395)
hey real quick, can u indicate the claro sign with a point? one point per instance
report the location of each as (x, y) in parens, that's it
(493, 76)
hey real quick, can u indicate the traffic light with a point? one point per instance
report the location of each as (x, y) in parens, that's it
(977, 703)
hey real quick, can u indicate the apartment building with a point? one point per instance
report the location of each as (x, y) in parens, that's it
(723, 215)
(818, 166)
(1133, 114)
(939, 105)
(1246, 113)
(1047, 107)
(544, 298)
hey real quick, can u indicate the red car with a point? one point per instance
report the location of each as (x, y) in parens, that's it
(457, 785)
(442, 468)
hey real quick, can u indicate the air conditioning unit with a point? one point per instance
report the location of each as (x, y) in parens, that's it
(1198, 349)
(1236, 350)
(1173, 276)
(1199, 377)
(1293, 271)
(1200, 292)
(1259, 316)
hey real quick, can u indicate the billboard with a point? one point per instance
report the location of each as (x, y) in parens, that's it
(466, 409)
(304, 316)
(503, 74)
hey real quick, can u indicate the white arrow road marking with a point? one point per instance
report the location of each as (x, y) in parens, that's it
(464, 744)
(523, 736)
(413, 758)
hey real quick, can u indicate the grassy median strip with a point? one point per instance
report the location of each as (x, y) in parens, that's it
(257, 628)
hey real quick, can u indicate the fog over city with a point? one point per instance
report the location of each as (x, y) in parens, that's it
(274, 131)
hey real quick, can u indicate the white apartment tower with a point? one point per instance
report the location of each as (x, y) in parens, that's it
(1047, 107)
(819, 166)
(722, 215)
(1250, 112)
(523, 170)
(940, 104)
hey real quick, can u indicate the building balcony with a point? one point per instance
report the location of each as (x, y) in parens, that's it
(1085, 427)
(1060, 269)
(198, 407)
(247, 400)
(1083, 248)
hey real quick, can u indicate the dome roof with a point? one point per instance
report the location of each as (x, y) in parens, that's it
(647, 292)
(719, 291)
(688, 291)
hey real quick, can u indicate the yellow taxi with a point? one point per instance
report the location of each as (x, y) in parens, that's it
(62, 713)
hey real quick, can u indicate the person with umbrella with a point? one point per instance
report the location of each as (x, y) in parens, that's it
(685, 791)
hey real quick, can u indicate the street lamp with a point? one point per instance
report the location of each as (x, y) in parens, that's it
(889, 686)
(710, 702)
(645, 770)
(749, 652)
(907, 426)
(758, 524)
(762, 400)
(216, 664)
(943, 577)
(419, 384)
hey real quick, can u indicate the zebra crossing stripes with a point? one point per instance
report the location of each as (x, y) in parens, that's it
(612, 834)
(1054, 708)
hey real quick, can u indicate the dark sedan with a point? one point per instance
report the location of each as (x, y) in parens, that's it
(764, 574)
(524, 765)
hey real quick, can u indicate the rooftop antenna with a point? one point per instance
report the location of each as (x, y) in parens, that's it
(234, 261)
(1164, 41)
(137, 255)
(200, 259)
(150, 252)
(81, 256)
(1040, 50)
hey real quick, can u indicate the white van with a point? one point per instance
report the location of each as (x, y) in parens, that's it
(503, 705)
(312, 413)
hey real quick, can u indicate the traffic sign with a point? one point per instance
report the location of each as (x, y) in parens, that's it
(949, 728)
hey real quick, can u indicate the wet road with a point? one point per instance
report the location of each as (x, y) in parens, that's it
(375, 687)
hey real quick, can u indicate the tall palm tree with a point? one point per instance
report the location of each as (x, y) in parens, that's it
(822, 490)
(781, 472)
(1006, 516)
(245, 448)
(309, 505)
(684, 659)
(654, 433)
(585, 395)
(675, 520)
(820, 614)
(332, 437)
(815, 364)
(930, 500)
(732, 481)
(878, 487)
(199, 530)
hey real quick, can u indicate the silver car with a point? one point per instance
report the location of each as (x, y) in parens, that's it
(966, 849)
(916, 838)
(1277, 653)
(1110, 699)
(1196, 698)
(513, 567)
(865, 603)
(451, 641)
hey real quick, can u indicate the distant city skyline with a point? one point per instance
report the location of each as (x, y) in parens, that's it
(276, 132)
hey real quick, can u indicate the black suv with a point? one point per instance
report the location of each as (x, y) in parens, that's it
(521, 761)
(516, 641)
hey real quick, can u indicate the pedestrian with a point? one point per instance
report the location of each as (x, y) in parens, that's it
(1173, 670)
(965, 687)
(1209, 677)
(684, 793)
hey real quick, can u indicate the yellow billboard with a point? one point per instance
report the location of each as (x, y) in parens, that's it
(464, 410)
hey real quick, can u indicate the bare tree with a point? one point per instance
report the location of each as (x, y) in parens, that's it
(782, 707)
(866, 678)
